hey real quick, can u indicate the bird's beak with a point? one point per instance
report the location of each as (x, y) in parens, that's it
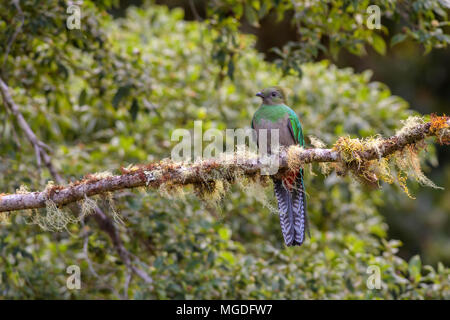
(260, 94)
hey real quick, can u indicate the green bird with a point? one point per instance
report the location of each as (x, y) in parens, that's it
(289, 190)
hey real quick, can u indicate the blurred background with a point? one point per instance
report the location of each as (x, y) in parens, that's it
(110, 95)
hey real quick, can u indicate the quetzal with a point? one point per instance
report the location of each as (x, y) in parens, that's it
(289, 190)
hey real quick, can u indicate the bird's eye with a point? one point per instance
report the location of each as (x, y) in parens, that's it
(274, 94)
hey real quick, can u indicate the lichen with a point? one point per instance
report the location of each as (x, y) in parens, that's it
(88, 206)
(324, 167)
(5, 218)
(350, 149)
(211, 192)
(294, 161)
(100, 175)
(408, 161)
(394, 168)
(316, 142)
(23, 189)
(440, 127)
(54, 219)
(112, 208)
(172, 191)
(409, 125)
(259, 188)
(402, 178)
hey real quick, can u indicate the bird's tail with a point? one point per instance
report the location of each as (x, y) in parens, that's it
(290, 193)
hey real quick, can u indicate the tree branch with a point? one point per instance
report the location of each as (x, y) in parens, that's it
(200, 173)
(40, 148)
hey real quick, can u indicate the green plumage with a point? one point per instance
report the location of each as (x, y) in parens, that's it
(274, 114)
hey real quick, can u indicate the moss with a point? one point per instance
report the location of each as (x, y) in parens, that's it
(99, 175)
(5, 218)
(294, 162)
(88, 206)
(347, 148)
(112, 208)
(408, 161)
(381, 168)
(260, 188)
(23, 189)
(325, 167)
(211, 191)
(409, 125)
(395, 168)
(402, 178)
(170, 190)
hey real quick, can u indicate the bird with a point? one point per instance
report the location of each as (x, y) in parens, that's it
(289, 189)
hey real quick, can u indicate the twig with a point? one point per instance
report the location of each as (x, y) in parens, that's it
(40, 148)
(194, 10)
(107, 225)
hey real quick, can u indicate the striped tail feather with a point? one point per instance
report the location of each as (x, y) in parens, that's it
(292, 209)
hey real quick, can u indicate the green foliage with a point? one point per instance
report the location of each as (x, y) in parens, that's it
(118, 103)
(332, 25)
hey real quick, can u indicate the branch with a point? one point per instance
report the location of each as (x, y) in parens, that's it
(346, 152)
(40, 148)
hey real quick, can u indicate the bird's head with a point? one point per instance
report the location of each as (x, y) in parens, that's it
(272, 95)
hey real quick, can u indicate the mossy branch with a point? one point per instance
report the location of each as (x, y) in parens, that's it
(363, 157)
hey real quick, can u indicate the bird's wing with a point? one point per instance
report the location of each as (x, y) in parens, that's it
(296, 128)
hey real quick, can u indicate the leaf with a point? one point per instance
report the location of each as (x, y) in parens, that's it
(158, 262)
(134, 109)
(334, 49)
(63, 70)
(251, 15)
(228, 256)
(238, 10)
(264, 9)
(443, 38)
(414, 268)
(220, 56)
(440, 12)
(192, 264)
(399, 37)
(121, 93)
(211, 257)
(225, 233)
(445, 3)
(378, 44)
(230, 71)
(82, 98)
(298, 69)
